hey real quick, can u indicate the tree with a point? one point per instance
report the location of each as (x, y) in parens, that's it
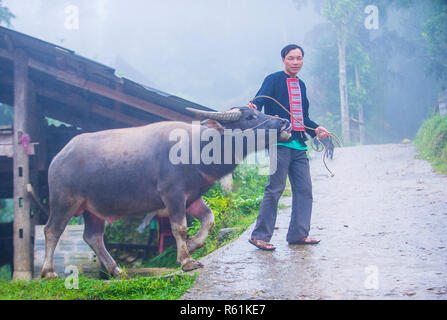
(359, 62)
(345, 16)
(5, 15)
(385, 75)
(435, 34)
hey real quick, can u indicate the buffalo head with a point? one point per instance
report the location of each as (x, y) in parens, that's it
(244, 118)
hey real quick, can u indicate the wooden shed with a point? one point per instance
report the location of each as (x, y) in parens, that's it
(41, 80)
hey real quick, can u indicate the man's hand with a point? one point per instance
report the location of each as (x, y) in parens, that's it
(252, 105)
(322, 132)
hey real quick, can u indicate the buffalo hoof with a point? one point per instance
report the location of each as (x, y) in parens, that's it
(191, 265)
(49, 275)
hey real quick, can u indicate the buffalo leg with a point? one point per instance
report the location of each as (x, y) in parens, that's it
(198, 209)
(94, 236)
(177, 217)
(59, 216)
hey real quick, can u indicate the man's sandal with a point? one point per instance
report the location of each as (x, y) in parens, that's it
(262, 244)
(306, 240)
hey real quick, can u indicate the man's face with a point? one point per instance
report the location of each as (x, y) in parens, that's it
(293, 61)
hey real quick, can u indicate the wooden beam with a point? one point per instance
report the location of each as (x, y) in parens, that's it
(75, 80)
(61, 114)
(115, 115)
(121, 97)
(22, 221)
(74, 101)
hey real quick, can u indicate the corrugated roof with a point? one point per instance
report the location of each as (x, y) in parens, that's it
(55, 56)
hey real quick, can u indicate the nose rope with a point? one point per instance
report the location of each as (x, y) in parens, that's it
(332, 136)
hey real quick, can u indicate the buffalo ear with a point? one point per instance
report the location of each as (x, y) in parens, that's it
(213, 124)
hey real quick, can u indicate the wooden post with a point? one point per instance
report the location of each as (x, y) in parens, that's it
(22, 221)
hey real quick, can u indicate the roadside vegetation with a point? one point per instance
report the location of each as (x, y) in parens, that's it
(140, 288)
(431, 142)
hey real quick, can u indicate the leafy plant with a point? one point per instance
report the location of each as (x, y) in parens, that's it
(431, 141)
(126, 231)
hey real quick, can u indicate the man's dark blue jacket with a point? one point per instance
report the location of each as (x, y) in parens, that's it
(275, 86)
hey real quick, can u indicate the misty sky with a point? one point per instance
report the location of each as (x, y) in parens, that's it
(215, 53)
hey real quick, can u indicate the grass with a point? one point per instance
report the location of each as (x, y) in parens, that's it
(431, 142)
(139, 288)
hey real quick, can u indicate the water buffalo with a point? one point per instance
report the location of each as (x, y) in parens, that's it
(119, 173)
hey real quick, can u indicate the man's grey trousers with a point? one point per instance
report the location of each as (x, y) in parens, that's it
(294, 163)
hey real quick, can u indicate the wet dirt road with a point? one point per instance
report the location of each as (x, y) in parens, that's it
(382, 221)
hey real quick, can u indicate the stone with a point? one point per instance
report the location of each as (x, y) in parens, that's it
(226, 232)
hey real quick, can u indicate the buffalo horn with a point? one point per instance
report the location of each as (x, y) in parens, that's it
(232, 115)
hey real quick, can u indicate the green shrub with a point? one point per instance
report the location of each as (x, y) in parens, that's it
(126, 231)
(431, 142)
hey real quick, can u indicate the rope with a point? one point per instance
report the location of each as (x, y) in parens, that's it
(332, 136)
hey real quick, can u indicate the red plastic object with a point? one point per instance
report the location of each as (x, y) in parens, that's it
(165, 231)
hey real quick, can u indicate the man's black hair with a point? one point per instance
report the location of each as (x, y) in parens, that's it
(290, 47)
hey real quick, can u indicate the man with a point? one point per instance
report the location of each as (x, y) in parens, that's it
(285, 87)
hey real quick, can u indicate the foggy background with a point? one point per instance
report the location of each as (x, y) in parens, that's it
(217, 53)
